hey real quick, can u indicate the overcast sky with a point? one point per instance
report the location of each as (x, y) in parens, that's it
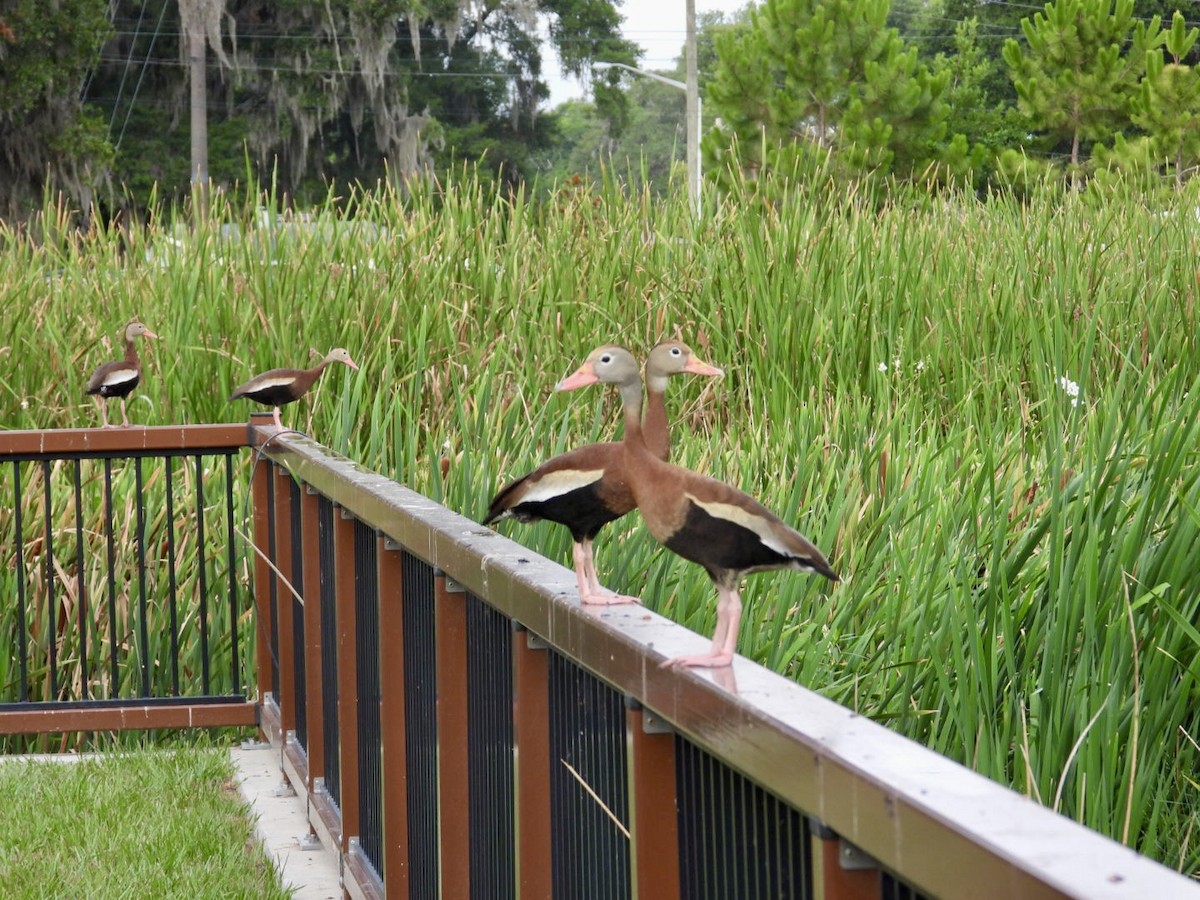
(657, 26)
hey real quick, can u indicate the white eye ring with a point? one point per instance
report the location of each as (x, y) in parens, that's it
(606, 358)
(675, 351)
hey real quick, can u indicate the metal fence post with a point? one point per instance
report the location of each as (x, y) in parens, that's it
(311, 557)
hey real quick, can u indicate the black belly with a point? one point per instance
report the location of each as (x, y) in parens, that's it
(580, 510)
(275, 395)
(120, 389)
(723, 547)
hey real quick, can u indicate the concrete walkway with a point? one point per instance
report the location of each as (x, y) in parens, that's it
(280, 823)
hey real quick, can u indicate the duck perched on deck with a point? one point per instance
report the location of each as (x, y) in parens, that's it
(278, 387)
(120, 377)
(703, 520)
(587, 488)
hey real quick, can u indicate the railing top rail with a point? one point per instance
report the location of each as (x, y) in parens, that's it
(938, 825)
(133, 439)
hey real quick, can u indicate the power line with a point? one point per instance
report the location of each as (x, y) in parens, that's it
(141, 75)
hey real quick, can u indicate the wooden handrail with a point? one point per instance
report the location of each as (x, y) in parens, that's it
(934, 823)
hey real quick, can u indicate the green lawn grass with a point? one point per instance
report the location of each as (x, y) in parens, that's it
(141, 824)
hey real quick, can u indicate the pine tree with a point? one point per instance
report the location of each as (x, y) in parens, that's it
(1073, 80)
(1168, 106)
(826, 78)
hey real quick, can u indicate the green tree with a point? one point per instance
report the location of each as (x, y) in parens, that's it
(1168, 106)
(1073, 79)
(47, 48)
(829, 80)
(313, 91)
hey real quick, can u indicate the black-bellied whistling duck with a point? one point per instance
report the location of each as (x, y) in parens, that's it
(279, 387)
(586, 489)
(120, 377)
(706, 521)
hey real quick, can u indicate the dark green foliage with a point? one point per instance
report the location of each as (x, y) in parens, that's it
(825, 80)
(47, 48)
(1075, 77)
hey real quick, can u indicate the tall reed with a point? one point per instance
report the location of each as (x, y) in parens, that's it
(985, 412)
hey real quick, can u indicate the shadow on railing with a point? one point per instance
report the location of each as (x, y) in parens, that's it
(457, 723)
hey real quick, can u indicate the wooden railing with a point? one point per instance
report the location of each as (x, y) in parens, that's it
(458, 725)
(462, 727)
(120, 583)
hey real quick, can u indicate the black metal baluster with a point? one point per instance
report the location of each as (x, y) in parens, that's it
(236, 687)
(115, 686)
(202, 586)
(140, 540)
(48, 553)
(81, 585)
(22, 632)
(171, 582)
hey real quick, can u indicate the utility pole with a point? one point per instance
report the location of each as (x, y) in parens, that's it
(693, 109)
(196, 58)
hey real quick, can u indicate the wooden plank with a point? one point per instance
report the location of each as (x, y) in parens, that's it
(134, 439)
(450, 635)
(391, 720)
(262, 575)
(531, 733)
(130, 718)
(833, 881)
(360, 878)
(284, 602)
(311, 560)
(654, 809)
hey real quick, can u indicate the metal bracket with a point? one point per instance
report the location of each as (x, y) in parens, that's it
(533, 642)
(653, 723)
(453, 587)
(345, 513)
(854, 859)
(310, 843)
(391, 544)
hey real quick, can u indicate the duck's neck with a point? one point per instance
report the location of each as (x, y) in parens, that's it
(309, 376)
(631, 401)
(654, 426)
(131, 355)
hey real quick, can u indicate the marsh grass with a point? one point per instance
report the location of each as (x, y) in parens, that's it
(138, 824)
(1020, 589)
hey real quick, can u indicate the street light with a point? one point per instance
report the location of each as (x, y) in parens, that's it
(693, 133)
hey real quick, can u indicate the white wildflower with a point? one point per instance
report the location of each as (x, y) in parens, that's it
(1071, 388)
(883, 367)
(920, 365)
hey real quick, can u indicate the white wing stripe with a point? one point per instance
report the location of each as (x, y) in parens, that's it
(556, 484)
(118, 377)
(265, 383)
(736, 514)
